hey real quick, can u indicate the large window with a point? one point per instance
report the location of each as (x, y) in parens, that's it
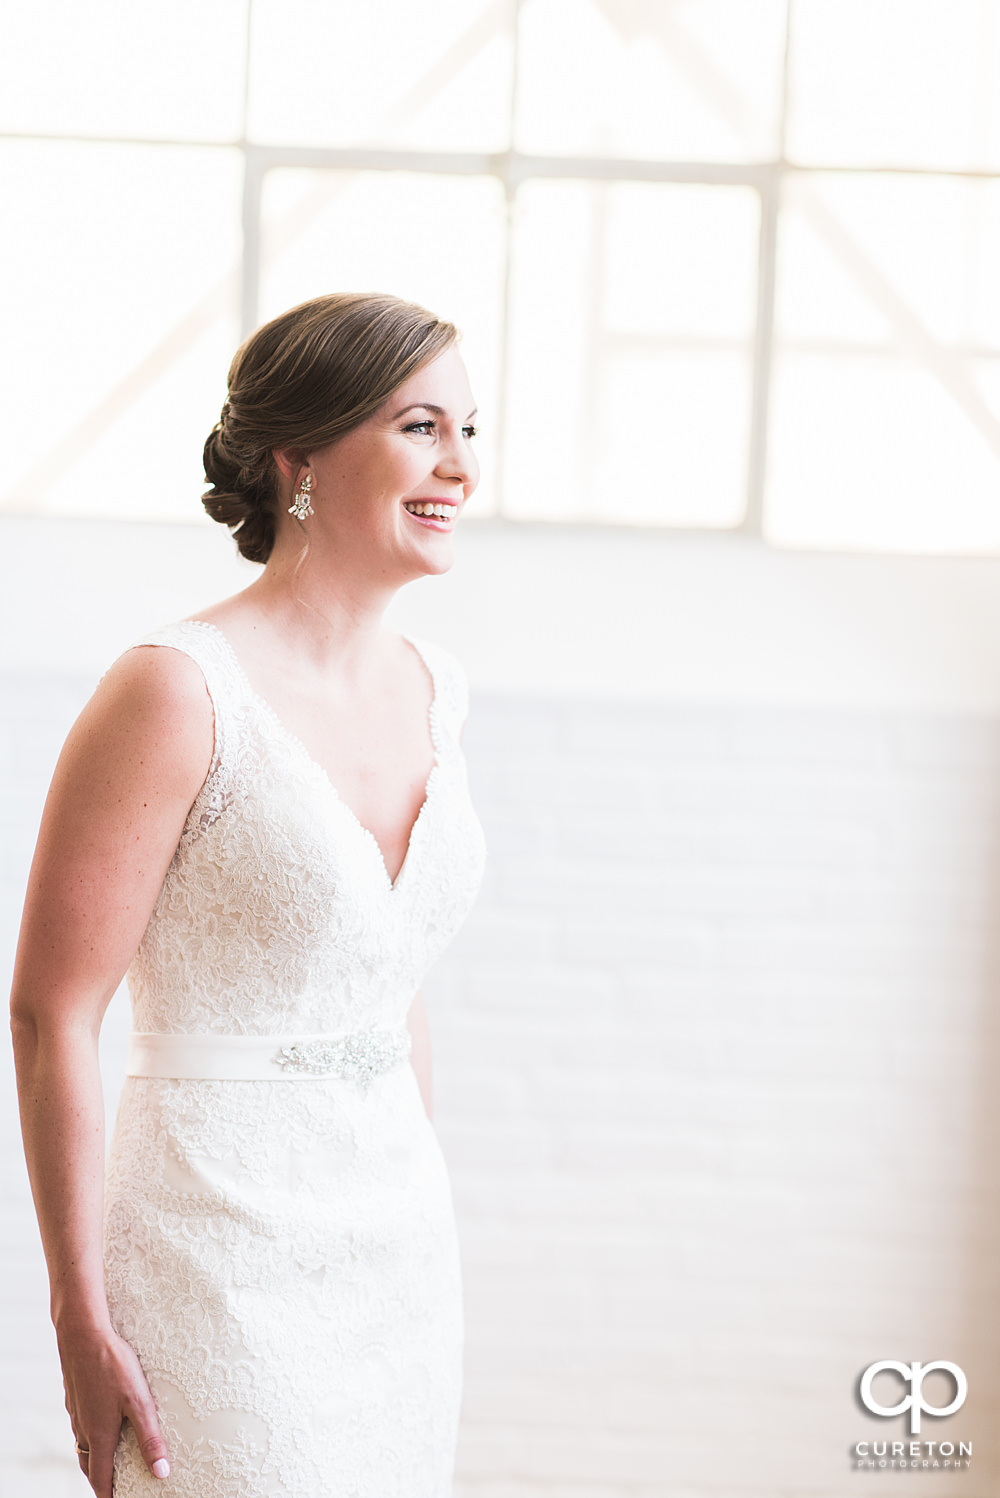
(720, 264)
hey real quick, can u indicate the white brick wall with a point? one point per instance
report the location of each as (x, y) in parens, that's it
(715, 1060)
(716, 1085)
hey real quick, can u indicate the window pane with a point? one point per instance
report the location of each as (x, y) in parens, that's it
(114, 67)
(693, 80)
(630, 379)
(898, 83)
(875, 454)
(435, 240)
(120, 326)
(882, 257)
(382, 74)
(885, 422)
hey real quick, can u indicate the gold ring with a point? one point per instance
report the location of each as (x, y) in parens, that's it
(81, 1450)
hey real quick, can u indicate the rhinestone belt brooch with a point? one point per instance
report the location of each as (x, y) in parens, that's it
(360, 1058)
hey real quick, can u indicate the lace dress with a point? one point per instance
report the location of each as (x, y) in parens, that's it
(280, 1250)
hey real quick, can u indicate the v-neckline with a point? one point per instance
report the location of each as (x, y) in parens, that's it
(310, 759)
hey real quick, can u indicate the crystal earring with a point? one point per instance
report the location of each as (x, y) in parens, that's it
(300, 506)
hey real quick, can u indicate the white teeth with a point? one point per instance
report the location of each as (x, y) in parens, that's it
(440, 511)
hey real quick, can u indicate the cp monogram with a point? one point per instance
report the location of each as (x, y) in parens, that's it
(913, 1374)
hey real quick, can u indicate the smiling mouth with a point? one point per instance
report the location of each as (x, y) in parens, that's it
(431, 509)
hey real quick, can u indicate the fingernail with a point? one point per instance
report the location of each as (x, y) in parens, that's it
(161, 1468)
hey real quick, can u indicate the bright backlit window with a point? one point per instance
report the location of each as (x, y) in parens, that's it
(720, 264)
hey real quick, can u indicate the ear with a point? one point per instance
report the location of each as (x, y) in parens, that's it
(288, 461)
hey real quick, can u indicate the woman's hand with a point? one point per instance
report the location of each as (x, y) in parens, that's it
(104, 1386)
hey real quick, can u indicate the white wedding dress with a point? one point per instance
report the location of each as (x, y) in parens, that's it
(279, 1237)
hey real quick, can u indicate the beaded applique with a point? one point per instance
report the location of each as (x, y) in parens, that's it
(360, 1058)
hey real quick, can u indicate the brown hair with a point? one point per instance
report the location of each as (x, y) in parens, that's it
(301, 381)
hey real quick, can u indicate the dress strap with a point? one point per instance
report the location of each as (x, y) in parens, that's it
(451, 691)
(211, 653)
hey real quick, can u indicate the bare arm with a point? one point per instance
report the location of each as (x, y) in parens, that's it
(122, 789)
(420, 1051)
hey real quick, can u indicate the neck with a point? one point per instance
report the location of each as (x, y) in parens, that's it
(326, 605)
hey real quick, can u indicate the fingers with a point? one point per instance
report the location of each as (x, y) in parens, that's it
(99, 1466)
(142, 1413)
(98, 1462)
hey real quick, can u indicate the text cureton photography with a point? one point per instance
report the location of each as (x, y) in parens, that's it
(913, 1454)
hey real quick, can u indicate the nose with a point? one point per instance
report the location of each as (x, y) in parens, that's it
(457, 461)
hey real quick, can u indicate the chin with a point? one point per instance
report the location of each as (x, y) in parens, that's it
(440, 559)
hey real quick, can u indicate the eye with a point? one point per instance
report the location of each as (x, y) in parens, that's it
(470, 432)
(424, 428)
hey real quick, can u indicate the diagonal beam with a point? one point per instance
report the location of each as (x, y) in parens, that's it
(947, 366)
(660, 22)
(66, 450)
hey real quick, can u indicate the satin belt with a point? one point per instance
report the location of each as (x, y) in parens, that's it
(360, 1057)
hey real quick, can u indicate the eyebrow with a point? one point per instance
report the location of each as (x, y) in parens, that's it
(426, 406)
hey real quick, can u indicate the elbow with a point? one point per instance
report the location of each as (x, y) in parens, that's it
(46, 1045)
(25, 1033)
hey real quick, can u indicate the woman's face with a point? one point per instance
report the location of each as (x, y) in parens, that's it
(388, 494)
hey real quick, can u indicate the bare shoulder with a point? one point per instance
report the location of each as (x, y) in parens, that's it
(150, 716)
(130, 771)
(157, 686)
(157, 675)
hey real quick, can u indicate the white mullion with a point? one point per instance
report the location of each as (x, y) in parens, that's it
(635, 169)
(763, 355)
(753, 520)
(376, 159)
(513, 167)
(510, 197)
(253, 181)
(248, 42)
(593, 433)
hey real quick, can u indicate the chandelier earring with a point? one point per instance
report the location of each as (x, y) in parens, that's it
(300, 506)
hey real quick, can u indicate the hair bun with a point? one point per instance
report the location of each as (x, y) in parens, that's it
(239, 497)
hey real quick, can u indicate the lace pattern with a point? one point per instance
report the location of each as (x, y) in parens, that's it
(283, 1258)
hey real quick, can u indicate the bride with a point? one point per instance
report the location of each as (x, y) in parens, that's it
(262, 817)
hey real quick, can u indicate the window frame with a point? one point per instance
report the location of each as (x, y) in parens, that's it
(512, 168)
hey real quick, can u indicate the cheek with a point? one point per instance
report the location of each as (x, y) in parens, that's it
(411, 472)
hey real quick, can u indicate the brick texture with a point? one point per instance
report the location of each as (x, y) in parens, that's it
(715, 1067)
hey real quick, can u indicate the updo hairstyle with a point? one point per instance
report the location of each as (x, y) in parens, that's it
(301, 381)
